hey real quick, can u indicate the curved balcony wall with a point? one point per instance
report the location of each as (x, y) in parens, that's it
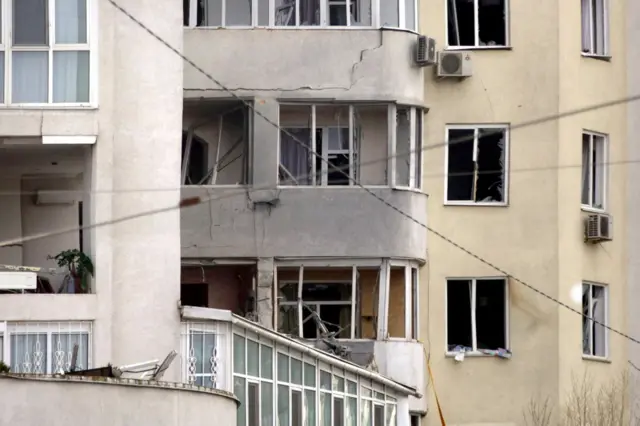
(311, 63)
(303, 222)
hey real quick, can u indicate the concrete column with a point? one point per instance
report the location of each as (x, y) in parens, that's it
(147, 111)
(265, 143)
(264, 292)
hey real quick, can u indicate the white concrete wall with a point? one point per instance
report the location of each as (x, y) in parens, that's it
(101, 402)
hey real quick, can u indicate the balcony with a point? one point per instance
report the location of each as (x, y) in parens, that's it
(279, 380)
(304, 49)
(300, 204)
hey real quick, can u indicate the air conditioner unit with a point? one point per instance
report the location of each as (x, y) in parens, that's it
(454, 64)
(598, 227)
(425, 51)
(44, 198)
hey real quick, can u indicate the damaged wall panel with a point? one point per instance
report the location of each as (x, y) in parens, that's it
(228, 286)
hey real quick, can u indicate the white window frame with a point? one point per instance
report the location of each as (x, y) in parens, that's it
(324, 16)
(416, 173)
(475, 351)
(476, 45)
(225, 351)
(476, 128)
(593, 138)
(592, 355)
(8, 328)
(592, 34)
(91, 46)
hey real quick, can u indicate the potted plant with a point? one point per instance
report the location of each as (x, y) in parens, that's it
(80, 268)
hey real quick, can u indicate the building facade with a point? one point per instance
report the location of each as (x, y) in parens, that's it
(517, 195)
(102, 123)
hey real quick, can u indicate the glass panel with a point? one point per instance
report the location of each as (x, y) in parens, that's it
(253, 358)
(389, 14)
(266, 403)
(283, 367)
(379, 395)
(351, 412)
(325, 380)
(461, 165)
(352, 387)
(238, 13)
(338, 412)
(71, 21)
(29, 77)
(70, 77)
(310, 12)
(599, 168)
(296, 371)
(403, 146)
(266, 362)
(283, 405)
(361, 13)
(30, 27)
(296, 407)
(239, 389)
(410, 14)
(338, 384)
(378, 415)
(310, 408)
(309, 375)
(365, 413)
(263, 12)
(391, 415)
(586, 165)
(253, 411)
(285, 13)
(418, 149)
(29, 353)
(64, 343)
(238, 354)
(325, 409)
(213, 13)
(1, 82)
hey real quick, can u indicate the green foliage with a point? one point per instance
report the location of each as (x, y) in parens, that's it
(4, 368)
(78, 264)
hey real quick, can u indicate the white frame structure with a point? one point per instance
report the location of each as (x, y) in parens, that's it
(7, 48)
(595, 12)
(376, 20)
(592, 325)
(476, 128)
(477, 45)
(603, 140)
(475, 351)
(411, 294)
(53, 361)
(356, 146)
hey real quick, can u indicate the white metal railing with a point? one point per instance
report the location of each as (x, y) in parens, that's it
(303, 13)
(45, 347)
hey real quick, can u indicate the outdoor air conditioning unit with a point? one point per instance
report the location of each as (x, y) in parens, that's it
(425, 51)
(598, 227)
(454, 64)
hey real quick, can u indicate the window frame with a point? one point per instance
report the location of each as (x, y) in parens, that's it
(324, 17)
(416, 171)
(507, 163)
(507, 314)
(476, 45)
(607, 347)
(593, 41)
(48, 328)
(590, 207)
(91, 46)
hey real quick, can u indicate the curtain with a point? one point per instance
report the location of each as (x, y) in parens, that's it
(29, 353)
(294, 157)
(29, 79)
(351, 410)
(71, 76)
(598, 26)
(586, 156)
(586, 321)
(71, 22)
(62, 346)
(586, 26)
(309, 12)
(598, 315)
(203, 345)
(500, 186)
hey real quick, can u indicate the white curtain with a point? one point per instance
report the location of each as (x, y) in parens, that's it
(29, 79)
(29, 353)
(64, 342)
(295, 157)
(586, 320)
(586, 26)
(71, 22)
(71, 76)
(598, 314)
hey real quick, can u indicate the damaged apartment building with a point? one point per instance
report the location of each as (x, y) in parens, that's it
(326, 97)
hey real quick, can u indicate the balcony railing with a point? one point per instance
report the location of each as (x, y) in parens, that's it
(282, 381)
(302, 13)
(45, 347)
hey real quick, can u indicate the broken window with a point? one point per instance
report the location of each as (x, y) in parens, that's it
(475, 23)
(347, 144)
(477, 164)
(594, 170)
(403, 301)
(477, 314)
(215, 147)
(594, 307)
(595, 27)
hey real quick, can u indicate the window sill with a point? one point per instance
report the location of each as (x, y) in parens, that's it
(472, 204)
(403, 188)
(605, 58)
(454, 48)
(474, 354)
(595, 358)
(48, 107)
(589, 209)
(302, 27)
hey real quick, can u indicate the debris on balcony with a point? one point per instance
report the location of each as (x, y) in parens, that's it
(148, 370)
